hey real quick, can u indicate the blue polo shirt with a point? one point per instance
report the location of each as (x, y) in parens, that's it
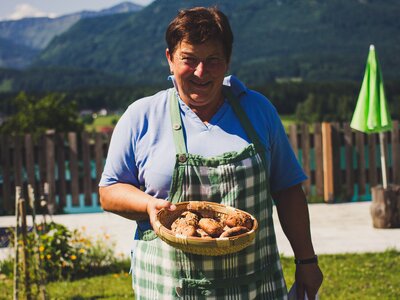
(142, 150)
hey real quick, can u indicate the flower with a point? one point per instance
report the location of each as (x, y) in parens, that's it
(82, 250)
(73, 257)
(41, 248)
(48, 256)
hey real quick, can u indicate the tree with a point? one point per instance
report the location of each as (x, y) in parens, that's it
(36, 116)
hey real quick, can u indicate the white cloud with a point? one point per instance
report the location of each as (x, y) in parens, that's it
(26, 10)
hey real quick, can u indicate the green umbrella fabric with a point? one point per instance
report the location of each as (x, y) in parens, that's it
(371, 114)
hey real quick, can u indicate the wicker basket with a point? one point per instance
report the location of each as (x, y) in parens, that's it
(198, 245)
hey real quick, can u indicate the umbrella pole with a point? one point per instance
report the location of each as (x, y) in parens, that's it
(383, 159)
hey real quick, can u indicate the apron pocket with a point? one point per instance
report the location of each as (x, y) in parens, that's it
(206, 287)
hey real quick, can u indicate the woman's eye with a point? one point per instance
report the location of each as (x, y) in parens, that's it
(213, 60)
(189, 60)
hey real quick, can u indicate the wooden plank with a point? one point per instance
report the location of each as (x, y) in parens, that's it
(42, 166)
(7, 200)
(372, 170)
(319, 168)
(50, 172)
(327, 159)
(395, 152)
(293, 139)
(336, 144)
(305, 146)
(360, 137)
(73, 167)
(30, 160)
(60, 157)
(17, 160)
(87, 178)
(348, 148)
(99, 157)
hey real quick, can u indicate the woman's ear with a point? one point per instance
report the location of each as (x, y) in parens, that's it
(168, 55)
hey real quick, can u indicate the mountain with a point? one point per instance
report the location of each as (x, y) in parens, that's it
(13, 55)
(274, 40)
(34, 34)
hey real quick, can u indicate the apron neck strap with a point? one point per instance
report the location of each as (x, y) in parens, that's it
(176, 122)
(249, 129)
(243, 118)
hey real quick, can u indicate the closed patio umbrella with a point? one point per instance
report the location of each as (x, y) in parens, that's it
(371, 114)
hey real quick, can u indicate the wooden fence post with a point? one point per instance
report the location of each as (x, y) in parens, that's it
(360, 162)
(87, 173)
(349, 161)
(6, 172)
(60, 159)
(327, 159)
(319, 168)
(305, 147)
(395, 152)
(99, 154)
(73, 167)
(50, 172)
(293, 139)
(372, 168)
(337, 172)
(17, 159)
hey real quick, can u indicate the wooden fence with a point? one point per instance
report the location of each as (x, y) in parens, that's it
(64, 168)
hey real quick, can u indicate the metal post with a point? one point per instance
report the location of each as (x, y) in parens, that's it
(383, 159)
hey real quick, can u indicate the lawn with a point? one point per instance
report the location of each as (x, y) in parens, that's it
(346, 276)
(102, 121)
(110, 121)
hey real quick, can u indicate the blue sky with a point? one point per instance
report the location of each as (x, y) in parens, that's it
(18, 9)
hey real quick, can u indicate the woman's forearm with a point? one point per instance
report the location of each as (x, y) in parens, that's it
(125, 200)
(294, 218)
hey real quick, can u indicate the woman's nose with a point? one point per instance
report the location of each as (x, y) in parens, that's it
(199, 71)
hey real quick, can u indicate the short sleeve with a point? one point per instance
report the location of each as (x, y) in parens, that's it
(120, 164)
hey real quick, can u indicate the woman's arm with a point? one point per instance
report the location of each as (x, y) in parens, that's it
(130, 202)
(294, 218)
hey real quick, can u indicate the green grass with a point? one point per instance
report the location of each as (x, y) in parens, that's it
(102, 121)
(356, 276)
(346, 276)
(110, 120)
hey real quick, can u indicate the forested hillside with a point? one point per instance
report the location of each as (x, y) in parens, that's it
(307, 39)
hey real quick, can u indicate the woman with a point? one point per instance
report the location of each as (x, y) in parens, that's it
(208, 138)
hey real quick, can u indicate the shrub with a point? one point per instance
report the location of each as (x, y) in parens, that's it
(59, 253)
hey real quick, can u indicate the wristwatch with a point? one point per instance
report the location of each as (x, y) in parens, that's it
(312, 260)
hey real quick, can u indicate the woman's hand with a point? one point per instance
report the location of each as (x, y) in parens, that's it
(308, 280)
(155, 205)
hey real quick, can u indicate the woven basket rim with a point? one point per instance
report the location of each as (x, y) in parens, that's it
(198, 245)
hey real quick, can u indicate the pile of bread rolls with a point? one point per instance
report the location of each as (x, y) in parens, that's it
(200, 220)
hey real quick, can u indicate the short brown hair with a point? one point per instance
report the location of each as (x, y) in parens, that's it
(198, 25)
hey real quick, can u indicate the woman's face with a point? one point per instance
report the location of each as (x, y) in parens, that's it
(199, 71)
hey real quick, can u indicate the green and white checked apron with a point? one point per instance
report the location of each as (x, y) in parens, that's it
(237, 179)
